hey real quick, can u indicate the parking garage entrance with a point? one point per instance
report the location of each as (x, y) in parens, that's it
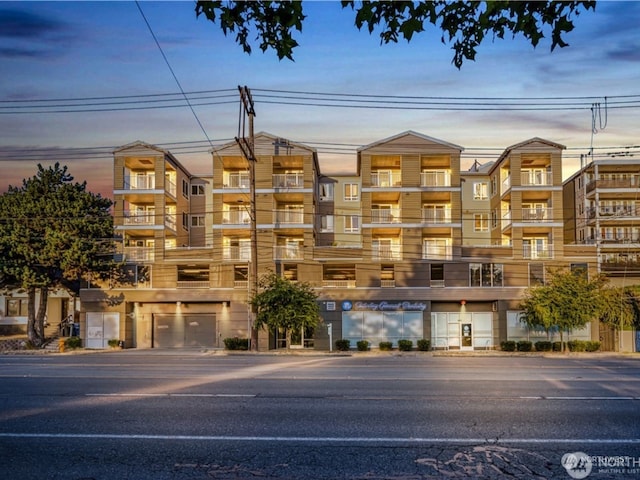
(180, 331)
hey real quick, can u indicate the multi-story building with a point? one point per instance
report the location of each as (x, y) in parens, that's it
(602, 209)
(409, 247)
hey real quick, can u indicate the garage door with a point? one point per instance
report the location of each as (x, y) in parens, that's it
(176, 331)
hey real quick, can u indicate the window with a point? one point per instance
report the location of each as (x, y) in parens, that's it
(326, 223)
(494, 185)
(185, 221)
(480, 222)
(494, 218)
(193, 274)
(185, 189)
(536, 274)
(326, 192)
(16, 307)
(352, 224)
(197, 190)
(351, 192)
(485, 274)
(437, 275)
(197, 220)
(480, 190)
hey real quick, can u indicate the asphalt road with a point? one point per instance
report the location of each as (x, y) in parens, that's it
(192, 415)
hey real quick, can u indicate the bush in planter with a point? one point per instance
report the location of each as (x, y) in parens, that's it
(543, 346)
(73, 342)
(362, 345)
(576, 346)
(424, 345)
(236, 343)
(343, 345)
(113, 343)
(524, 346)
(556, 346)
(508, 346)
(405, 345)
(592, 346)
(386, 346)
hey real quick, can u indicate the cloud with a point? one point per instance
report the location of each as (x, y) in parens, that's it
(30, 36)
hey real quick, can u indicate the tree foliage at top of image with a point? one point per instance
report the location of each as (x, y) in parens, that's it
(464, 25)
(53, 232)
(283, 304)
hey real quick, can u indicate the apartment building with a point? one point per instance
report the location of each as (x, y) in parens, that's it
(602, 209)
(409, 247)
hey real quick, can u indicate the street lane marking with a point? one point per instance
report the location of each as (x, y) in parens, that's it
(538, 397)
(220, 395)
(223, 438)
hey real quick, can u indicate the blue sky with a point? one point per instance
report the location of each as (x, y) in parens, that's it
(69, 50)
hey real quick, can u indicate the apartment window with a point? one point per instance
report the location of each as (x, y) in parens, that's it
(352, 224)
(197, 190)
(536, 274)
(351, 192)
(193, 274)
(326, 192)
(494, 185)
(481, 222)
(581, 268)
(326, 223)
(480, 190)
(185, 221)
(185, 189)
(494, 218)
(485, 274)
(16, 307)
(437, 275)
(197, 220)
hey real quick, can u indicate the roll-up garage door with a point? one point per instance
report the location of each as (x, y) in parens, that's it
(177, 331)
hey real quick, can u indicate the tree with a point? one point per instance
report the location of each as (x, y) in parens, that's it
(463, 24)
(52, 233)
(283, 304)
(569, 300)
(621, 307)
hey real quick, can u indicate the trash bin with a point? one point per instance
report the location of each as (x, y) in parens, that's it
(75, 330)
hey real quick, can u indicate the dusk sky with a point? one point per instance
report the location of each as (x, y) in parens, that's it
(75, 76)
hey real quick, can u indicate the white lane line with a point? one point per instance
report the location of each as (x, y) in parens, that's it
(539, 397)
(221, 395)
(394, 440)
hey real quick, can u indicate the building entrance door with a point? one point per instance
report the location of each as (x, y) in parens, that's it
(466, 338)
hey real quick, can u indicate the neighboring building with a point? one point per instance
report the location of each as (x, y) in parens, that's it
(602, 209)
(410, 247)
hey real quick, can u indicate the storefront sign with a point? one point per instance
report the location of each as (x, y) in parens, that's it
(391, 306)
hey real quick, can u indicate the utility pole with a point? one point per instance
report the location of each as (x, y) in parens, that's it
(246, 144)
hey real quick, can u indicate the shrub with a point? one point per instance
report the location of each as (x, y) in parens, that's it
(543, 346)
(577, 345)
(362, 345)
(424, 345)
(405, 345)
(73, 342)
(592, 346)
(556, 346)
(113, 342)
(508, 346)
(386, 346)
(236, 343)
(524, 346)
(343, 345)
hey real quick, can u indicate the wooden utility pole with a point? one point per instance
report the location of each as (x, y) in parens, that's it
(246, 144)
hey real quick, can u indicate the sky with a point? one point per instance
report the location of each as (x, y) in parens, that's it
(76, 76)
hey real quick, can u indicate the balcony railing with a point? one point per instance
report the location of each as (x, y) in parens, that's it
(506, 184)
(387, 283)
(607, 211)
(386, 252)
(506, 219)
(436, 215)
(244, 284)
(170, 221)
(234, 252)
(287, 252)
(138, 254)
(435, 179)
(386, 179)
(531, 178)
(193, 284)
(536, 252)
(236, 217)
(170, 187)
(236, 180)
(143, 182)
(536, 215)
(288, 180)
(437, 252)
(288, 216)
(339, 283)
(385, 215)
(137, 218)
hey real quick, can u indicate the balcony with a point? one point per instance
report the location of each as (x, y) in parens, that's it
(288, 216)
(536, 215)
(537, 252)
(436, 214)
(535, 178)
(436, 251)
(140, 182)
(288, 252)
(385, 215)
(386, 252)
(236, 180)
(236, 217)
(386, 179)
(235, 252)
(138, 254)
(139, 218)
(331, 283)
(437, 178)
(288, 180)
(193, 284)
(170, 221)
